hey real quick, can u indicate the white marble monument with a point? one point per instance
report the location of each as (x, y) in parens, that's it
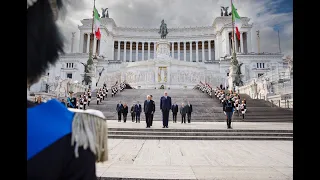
(187, 56)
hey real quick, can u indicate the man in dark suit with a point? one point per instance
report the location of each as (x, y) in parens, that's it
(119, 110)
(137, 110)
(148, 110)
(165, 106)
(154, 109)
(189, 111)
(175, 110)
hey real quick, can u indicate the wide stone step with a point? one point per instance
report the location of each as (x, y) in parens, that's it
(218, 120)
(158, 137)
(202, 130)
(147, 133)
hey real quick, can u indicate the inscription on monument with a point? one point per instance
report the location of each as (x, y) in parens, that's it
(162, 74)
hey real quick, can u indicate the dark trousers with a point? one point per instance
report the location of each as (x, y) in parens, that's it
(165, 117)
(151, 116)
(137, 117)
(88, 103)
(183, 118)
(84, 106)
(125, 117)
(148, 119)
(174, 117)
(229, 117)
(133, 116)
(189, 117)
(103, 98)
(119, 116)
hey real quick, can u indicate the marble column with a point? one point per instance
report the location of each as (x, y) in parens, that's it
(178, 50)
(94, 47)
(148, 50)
(81, 43)
(197, 53)
(172, 49)
(137, 50)
(236, 39)
(184, 51)
(125, 51)
(217, 48)
(118, 58)
(241, 42)
(203, 56)
(154, 49)
(130, 51)
(209, 49)
(190, 43)
(228, 48)
(249, 45)
(88, 43)
(142, 51)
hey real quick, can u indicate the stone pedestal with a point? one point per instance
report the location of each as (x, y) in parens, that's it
(232, 77)
(163, 50)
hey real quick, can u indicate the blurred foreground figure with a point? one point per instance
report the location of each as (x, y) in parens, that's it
(61, 143)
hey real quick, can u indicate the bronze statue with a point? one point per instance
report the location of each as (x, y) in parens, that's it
(163, 30)
(86, 68)
(238, 72)
(225, 9)
(104, 12)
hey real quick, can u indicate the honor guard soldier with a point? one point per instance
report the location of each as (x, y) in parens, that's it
(62, 143)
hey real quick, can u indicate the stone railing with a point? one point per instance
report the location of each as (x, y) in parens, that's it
(67, 85)
(276, 87)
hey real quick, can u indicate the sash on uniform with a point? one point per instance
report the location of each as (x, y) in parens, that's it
(46, 123)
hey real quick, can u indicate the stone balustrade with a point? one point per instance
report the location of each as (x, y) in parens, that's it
(274, 87)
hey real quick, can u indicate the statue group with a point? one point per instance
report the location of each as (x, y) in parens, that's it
(224, 11)
(104, 15)
(163, 30)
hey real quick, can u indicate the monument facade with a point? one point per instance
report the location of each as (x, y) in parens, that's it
(177, 58)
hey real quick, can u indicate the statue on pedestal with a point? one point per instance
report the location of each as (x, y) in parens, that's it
(225, 9)
(163, 30)
(104, 15)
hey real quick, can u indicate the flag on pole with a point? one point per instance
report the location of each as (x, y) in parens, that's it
(97, 24)
(237, 20)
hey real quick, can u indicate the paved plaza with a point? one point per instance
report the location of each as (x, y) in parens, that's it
(180, 159)
(205, 125)
(199, 159)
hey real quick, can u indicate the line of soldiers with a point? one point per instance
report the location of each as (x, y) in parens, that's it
(80, 102)
(102, 93)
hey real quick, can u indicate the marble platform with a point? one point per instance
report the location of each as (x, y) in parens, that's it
(212, 160)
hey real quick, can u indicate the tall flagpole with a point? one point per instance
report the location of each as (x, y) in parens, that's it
(92, 35)
(88, 66)
(233, 45)
(233, 38)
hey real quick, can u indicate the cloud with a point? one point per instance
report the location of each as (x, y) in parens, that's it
(264, 14)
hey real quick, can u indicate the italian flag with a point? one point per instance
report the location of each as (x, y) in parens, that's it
(97, 24)
(236, 19)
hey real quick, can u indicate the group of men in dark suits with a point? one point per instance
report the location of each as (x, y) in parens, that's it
(135, 112)
(184, 111)
(149, 108)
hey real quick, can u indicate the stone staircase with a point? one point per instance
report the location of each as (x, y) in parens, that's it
(199, 134)
(205, 109)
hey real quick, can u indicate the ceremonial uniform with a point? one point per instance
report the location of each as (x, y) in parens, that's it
(59, 144)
